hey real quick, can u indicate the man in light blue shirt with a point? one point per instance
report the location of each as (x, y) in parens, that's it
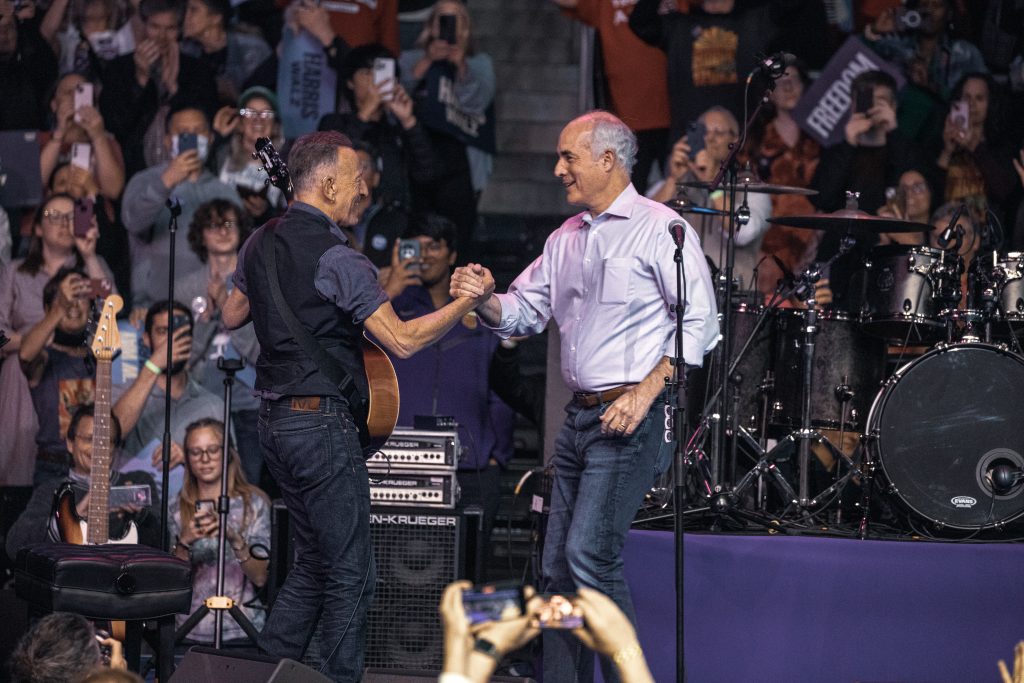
(607, 277)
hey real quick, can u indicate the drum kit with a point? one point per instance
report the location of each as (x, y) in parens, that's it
(939, 439)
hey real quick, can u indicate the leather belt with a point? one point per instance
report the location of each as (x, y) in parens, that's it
(589, 400)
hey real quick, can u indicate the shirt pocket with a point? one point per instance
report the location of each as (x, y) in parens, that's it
(616, 276)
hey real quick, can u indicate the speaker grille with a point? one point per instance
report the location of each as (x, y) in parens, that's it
(417, 554)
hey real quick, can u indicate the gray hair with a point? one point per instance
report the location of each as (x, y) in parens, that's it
(734, 125)
(611, 134)
(60, 647)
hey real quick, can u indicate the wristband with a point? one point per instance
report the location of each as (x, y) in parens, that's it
(153, 367)
(486, 647)
(628, 654)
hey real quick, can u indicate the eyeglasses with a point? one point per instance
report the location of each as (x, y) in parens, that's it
(262, 114)
(211, 452)
(226, 225)
(57, 217)
(719, 133)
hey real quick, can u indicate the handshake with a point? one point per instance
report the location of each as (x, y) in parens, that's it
(472, 281)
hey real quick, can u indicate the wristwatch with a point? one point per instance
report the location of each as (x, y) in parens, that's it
(488, 648)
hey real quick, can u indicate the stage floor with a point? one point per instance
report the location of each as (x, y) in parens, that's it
(788, 609)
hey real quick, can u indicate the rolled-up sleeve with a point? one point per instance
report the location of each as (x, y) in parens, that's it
(526, 308)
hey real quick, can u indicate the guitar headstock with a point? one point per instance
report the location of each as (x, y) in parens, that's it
(106, 343)
(273, 164)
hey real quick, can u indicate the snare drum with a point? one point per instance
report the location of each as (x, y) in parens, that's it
(900, 288)
(942, 423)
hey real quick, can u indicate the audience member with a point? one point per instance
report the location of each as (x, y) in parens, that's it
(967, 242)
(636, 76)
(59, 648)
(217, 231)
(450, 377)
(710, 50)
(473, 651)
(58, 366)
(195, 526)
(721, 132)
(782, 154)
(910, 201)
(389, 125)
(28, 68)
(87, 34)
(384, 218)
(237, 129)
(141, 88)
(145, 213)
(53, 246)
(473, 75)
(228, 53)
(443, 77)
(361, 23)
(38, 524)
(140, 406)
(82, 126)
(974, 165)
(5, 240)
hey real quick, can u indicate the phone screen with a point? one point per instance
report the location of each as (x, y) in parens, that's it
(409, 249)
(695, 133)
(493, 602)
(83, 97)
(960, 115)
(560, 611)
(384, 76)
(81, 155)
(207, 505)
(187, 141)
(83, 217)
(446, 24)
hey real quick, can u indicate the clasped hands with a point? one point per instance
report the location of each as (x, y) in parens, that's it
(472, 281)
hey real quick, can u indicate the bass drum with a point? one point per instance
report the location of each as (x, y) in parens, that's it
(942, 423)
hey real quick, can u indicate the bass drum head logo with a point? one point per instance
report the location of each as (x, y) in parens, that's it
(963, 501)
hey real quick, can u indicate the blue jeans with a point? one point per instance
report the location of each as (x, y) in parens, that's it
(311, 447)
(600, 482)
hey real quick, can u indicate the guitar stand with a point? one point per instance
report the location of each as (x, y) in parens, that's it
(220, 603)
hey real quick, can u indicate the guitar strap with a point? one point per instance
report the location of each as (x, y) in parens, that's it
(325, 362)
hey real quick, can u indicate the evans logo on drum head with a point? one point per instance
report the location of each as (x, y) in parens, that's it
(963, 501)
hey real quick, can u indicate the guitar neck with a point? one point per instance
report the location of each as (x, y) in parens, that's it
(99, 476)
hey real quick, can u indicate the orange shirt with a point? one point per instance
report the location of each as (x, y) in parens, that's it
(359, 22)
(637, 73)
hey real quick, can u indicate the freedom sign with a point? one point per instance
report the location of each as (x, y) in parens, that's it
(823, 110)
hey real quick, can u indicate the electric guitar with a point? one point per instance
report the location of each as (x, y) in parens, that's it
(95, 529)
(382, 408)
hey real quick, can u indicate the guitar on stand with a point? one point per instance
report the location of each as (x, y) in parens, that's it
(382, 407)
(95, 528)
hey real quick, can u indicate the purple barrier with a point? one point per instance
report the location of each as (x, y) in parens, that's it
(789, 609)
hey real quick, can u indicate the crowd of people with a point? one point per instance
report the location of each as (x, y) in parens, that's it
(147, 111)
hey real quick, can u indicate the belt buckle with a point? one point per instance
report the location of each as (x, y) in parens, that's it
(306, 404)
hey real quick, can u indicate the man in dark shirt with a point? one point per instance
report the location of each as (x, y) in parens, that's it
(307, 422)
(37, 523)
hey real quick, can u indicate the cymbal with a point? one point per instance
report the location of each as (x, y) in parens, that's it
(683, 206)
(757, 187)
(849, 220)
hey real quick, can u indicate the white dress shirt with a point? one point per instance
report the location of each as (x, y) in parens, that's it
(609, 281)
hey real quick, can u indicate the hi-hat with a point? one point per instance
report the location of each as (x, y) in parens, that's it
(681, 204)
(748, 181)
(850, 220)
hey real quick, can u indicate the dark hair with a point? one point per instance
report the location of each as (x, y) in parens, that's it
(207, 211)
(104, 674)
(161, 307)
(34, 258)
(995, 118)
(221, 8)
(184, 106)
(60, 647)
(312, 151)
(89, 410)
(361, 58)
(149, 8)
(874, 78)
(53, 284)
(432, 225)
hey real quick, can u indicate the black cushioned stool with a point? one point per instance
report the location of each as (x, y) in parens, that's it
(129, 583)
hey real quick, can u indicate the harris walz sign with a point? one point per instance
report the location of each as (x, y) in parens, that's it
(440, 111)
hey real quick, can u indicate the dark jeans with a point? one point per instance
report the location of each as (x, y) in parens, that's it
(247, 440)
(313, 453)
(600, 481)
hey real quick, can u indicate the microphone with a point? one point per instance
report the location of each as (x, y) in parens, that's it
(174, 205)
(951, 229)
(1003, 478)
(677, 228)
(775, 65)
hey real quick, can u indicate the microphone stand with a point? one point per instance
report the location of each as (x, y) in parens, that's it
(219, 603)
(676, 410)
(728, 167)
(174, 206)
